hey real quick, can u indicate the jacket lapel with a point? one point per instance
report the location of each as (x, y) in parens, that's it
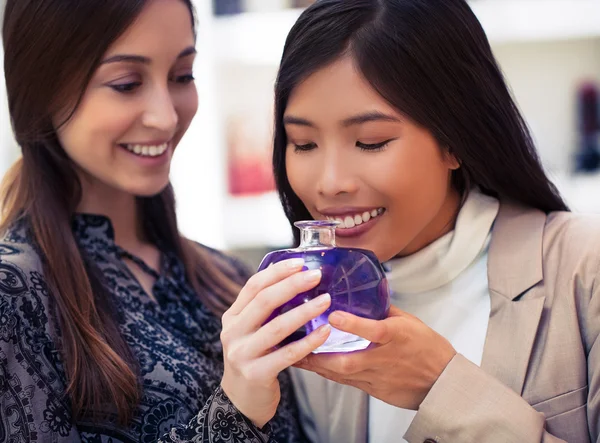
(514, 267)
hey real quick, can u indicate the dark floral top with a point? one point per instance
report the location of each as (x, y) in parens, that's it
(174, 338)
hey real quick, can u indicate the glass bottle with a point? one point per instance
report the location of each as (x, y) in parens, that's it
(353, 277)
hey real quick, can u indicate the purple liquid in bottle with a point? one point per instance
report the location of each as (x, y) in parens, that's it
(353, 277)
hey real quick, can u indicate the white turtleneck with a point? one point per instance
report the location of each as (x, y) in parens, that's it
(445, 285)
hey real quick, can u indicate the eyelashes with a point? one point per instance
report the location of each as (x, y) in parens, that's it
(129, 87)
(370, 147)
(373, 147)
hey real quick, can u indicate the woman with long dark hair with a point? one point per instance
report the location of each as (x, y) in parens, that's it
(110, 320)
(393, 117)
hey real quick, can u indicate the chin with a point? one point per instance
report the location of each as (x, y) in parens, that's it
(148, 189)
(384, 255)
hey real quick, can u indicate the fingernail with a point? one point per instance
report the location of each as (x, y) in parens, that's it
(323, 299)
(294, 263)
(337, 317)
(324, 329)
(315, 274)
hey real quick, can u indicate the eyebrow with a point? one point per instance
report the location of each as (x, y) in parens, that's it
(141, 59)
(373, 116)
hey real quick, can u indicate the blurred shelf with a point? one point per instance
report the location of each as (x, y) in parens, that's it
(580, 191)
(256, 221)
(507, 21)
(253, 38)
(258, 38)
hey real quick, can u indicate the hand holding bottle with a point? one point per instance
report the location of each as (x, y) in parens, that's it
(401, 366)
(251, 364)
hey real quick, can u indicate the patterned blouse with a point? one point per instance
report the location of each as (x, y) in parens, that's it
(174, 338)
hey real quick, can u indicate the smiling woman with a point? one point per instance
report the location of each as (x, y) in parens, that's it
(359, 154)
(128, 109)
(397, 109)
(110, 319)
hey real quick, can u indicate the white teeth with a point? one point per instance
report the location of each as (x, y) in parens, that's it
(147, 151)
(351, 221)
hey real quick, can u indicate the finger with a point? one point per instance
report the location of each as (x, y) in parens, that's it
(341, 364)
(376, 331)
(266, 301)
(359, 384)
(284, 325)
(360, 381)
(264, 279)
(288, 355)
(397, 312)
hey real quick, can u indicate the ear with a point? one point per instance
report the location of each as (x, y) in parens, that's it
(452, 161)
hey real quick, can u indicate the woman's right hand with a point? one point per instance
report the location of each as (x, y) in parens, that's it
(251, 364)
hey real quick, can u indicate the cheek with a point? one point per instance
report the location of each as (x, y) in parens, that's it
(414, 172)
(98, 120)
(76, 139)
(186, 105)
(417, 186)
(89, 136)
(299, 175)
(292, 171)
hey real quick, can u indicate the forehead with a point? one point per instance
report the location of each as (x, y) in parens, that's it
(163, 25)
(338, 89)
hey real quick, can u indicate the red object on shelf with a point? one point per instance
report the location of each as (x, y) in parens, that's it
(250, 176)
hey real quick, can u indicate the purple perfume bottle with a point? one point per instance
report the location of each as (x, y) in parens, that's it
(353, 277)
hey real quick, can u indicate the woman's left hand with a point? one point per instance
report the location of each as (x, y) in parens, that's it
(405, 359)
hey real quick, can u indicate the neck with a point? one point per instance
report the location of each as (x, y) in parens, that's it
(120, 207)
(444, 260)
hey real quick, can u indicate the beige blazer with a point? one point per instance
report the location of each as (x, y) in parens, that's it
(539, 379)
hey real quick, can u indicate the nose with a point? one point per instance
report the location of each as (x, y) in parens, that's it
(160, 113)
(337, 174)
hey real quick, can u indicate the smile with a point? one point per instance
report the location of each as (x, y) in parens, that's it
(146, 150)
(351, 220)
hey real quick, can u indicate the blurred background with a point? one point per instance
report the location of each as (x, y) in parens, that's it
(549, 51)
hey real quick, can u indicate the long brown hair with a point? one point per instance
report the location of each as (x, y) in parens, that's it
(52, 49)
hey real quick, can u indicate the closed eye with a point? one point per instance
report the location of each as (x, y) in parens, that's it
(126, 87)
(184, 79)
(374, 146)
(304, 147)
